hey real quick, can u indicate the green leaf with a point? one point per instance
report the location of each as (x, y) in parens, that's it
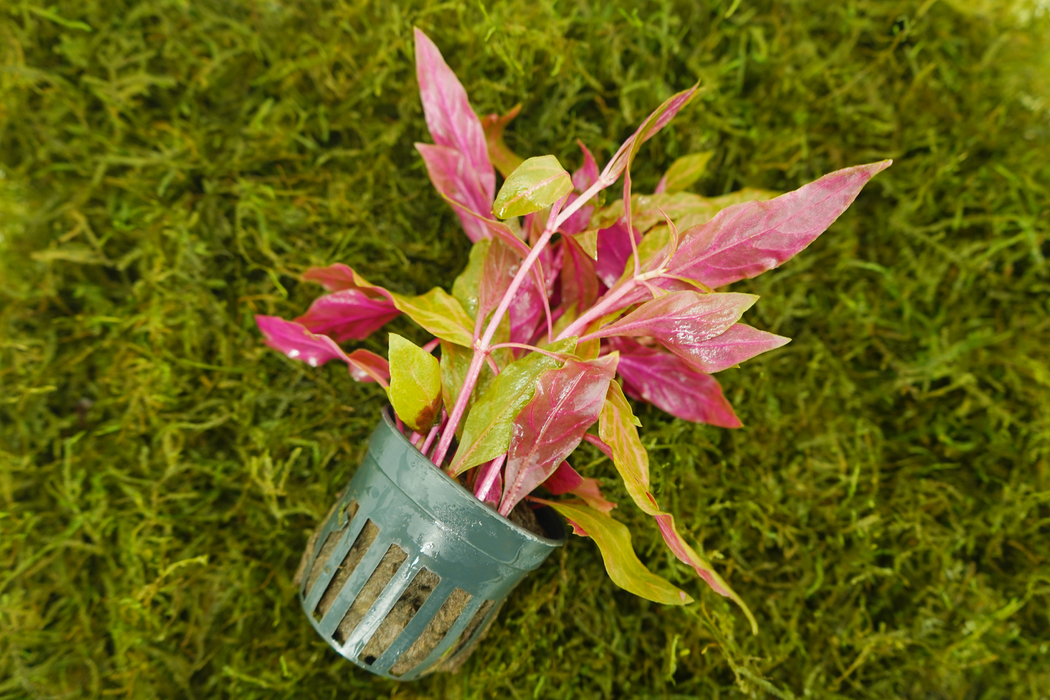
(686, 170)
(537, 183)
(439, 313)
(618, 428)
(455, 361)
(614, 542)
(466, 287)
(415, 383)
(588, 240)
(490, 423)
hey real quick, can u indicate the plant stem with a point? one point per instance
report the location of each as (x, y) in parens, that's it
(531, 348)
(430, 438)
(483, 345)
(606, 305)
(488, 477)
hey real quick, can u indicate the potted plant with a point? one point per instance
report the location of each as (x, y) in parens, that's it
(565, 308)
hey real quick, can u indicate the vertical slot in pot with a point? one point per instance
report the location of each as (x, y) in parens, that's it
(434, 633)
(471, 634)
(367, 594)
(330, 544)
(400, 615)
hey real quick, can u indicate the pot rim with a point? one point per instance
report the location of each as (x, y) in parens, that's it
(484, 510)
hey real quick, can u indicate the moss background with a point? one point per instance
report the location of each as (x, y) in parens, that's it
(169, 168)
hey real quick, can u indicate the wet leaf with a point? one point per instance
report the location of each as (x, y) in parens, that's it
(537, 183)
(298, 343)
(738, 343)
(745, 240)
(684, 172)
(614, 542)
(565, 404)
(450, 119)
(656, 376)
(440, 314)
(489, 426)
(415, 383)
(348, 314)
(682, 318)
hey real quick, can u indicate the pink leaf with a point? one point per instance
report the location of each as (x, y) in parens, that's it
(348, 314)
(745, 240)
(450, 119)
(667, 382)
(614, 249)
(366, 366)
(490, 482)
(587, 175)
(337, 277)
(298, 343)
(581, 218)
(652, 124)
(565, 479)
(739, 343)
(681, 318)
(681, 549)
(526, 311)
(579, 280)
(333, 278)
(576, 529)
(567, 402)
(315, 350)
(591, 493)
(453, 177)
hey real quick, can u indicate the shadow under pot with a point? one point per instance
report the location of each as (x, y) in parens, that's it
(409, 569)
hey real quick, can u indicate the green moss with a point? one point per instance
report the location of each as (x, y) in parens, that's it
(169, 168)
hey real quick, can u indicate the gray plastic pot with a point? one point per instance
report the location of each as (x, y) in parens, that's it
(409, 568)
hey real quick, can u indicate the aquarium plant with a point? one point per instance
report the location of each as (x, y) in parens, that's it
(575, 298)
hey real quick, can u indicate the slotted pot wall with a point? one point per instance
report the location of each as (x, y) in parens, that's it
(410, 568)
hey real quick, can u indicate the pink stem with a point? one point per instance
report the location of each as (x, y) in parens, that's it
(530, 348)
(488, 477)
(416, 439)
(473, 372)
(429, 347)
(599, 443)
(492, 363)
(481, 347)
(430, 438)
(606, 305)
(627, 213)
(399, 424)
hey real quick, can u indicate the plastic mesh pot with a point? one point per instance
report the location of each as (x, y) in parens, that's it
(409, 569)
